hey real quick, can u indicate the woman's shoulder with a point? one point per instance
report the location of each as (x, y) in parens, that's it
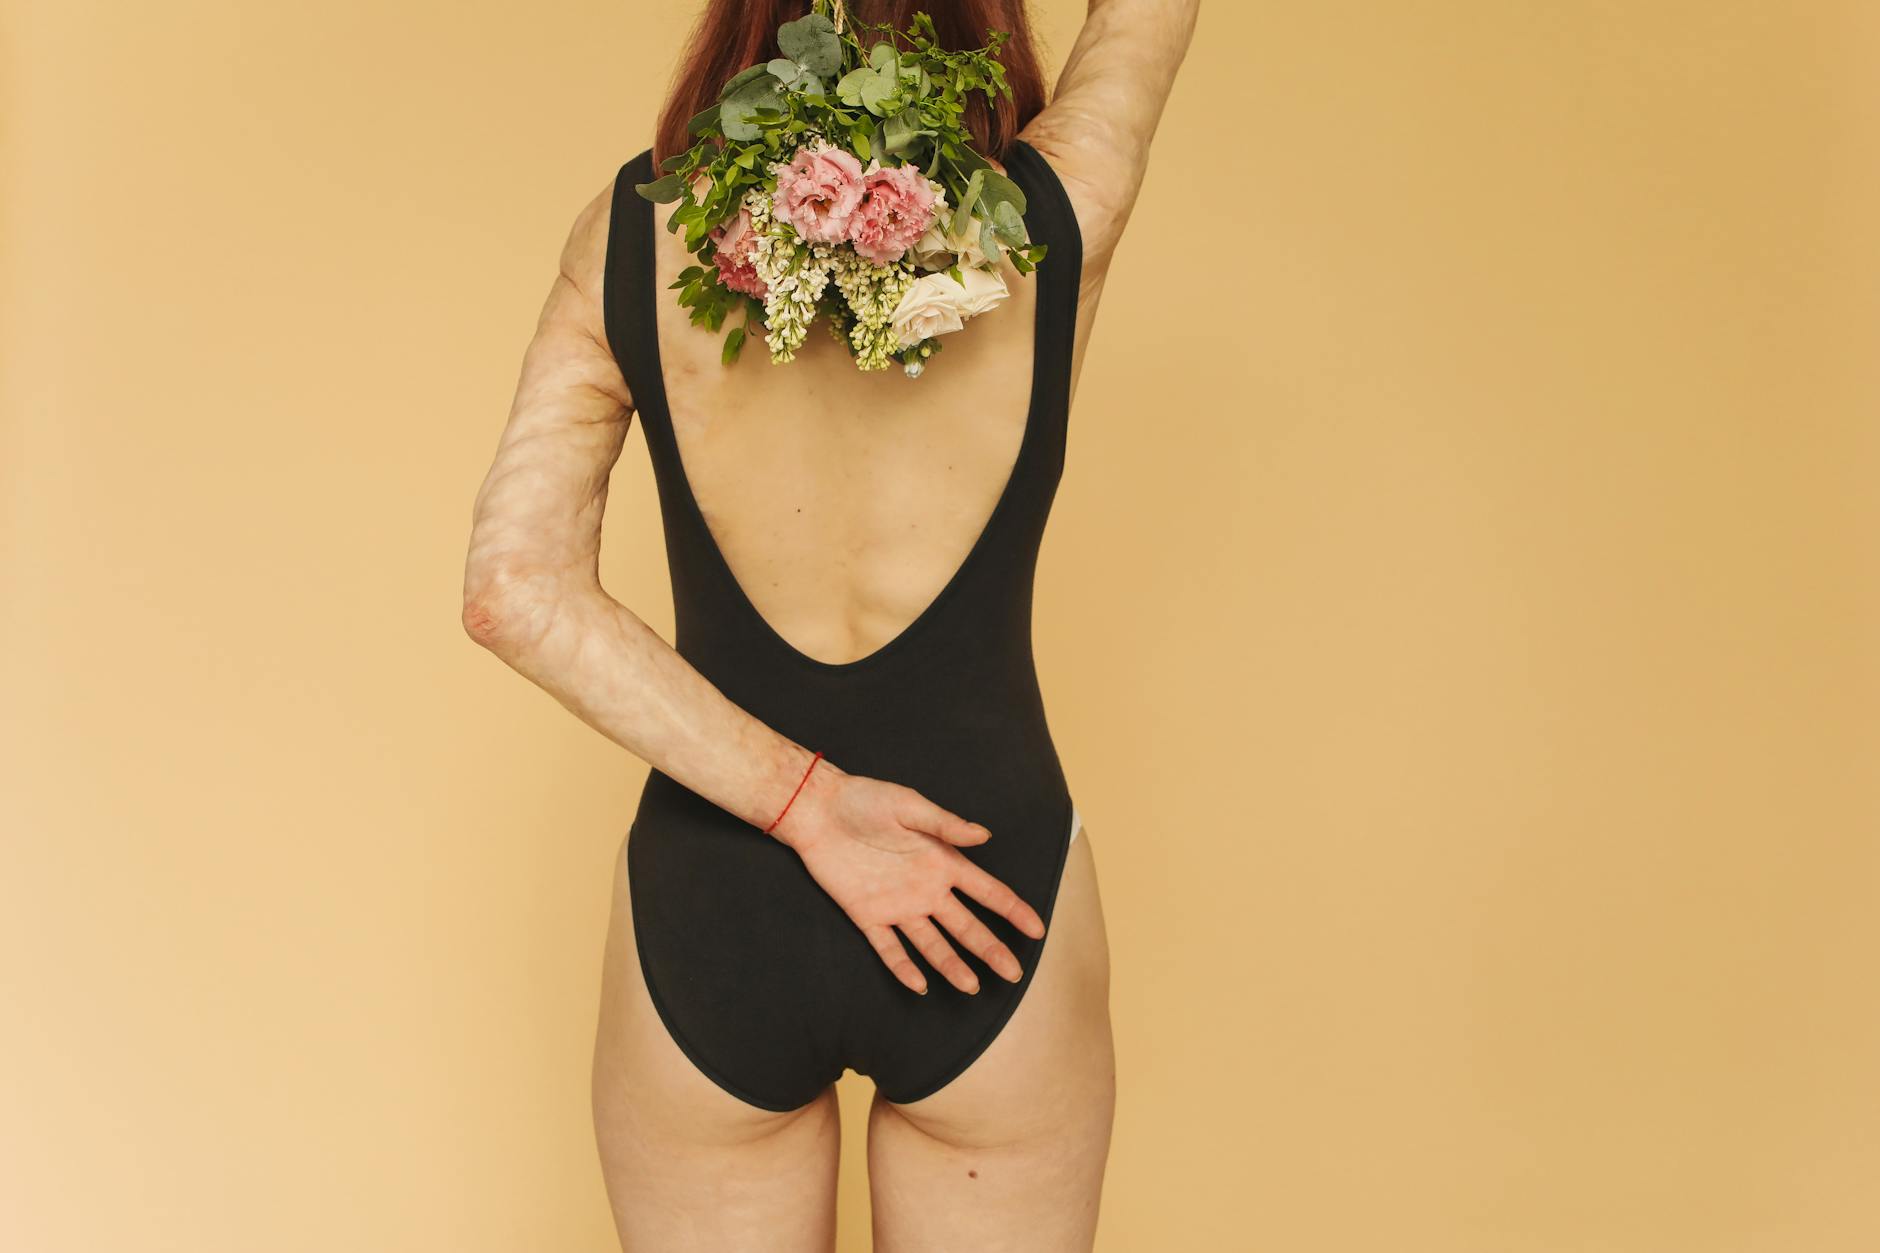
(583, 263)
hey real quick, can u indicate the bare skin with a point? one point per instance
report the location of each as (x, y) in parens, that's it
(1011, 1154)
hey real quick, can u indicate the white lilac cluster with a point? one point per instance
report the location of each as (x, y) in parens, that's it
(794, 274)
(872, 292)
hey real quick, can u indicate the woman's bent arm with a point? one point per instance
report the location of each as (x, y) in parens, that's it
(532, 589)
(533, 596)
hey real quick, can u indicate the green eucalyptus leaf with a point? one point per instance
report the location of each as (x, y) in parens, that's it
(879, 93)
(997, 190)
(736, 121)
(899, 132)
(874, 89)
(1008, 225)
(740, 79)
(989, 244)
(763, 88)
(967, 158)
(662, 190)
(737, 112)
(968, 199)
(785, 69)
(812, 40)
(702, 121)
(884, 57)
(849, 87)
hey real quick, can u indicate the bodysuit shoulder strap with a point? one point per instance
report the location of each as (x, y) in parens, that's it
(627, 281)
(1050, 220)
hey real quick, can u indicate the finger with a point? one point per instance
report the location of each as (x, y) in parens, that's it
(924, 815)
(888, 946)
(940, 955)
(976, 882)
(977, 938)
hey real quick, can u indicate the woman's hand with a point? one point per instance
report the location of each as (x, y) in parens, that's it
(888, 856)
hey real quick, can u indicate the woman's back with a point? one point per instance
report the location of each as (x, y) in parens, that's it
(844, 501)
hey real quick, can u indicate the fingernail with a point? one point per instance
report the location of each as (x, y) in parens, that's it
(922, 989)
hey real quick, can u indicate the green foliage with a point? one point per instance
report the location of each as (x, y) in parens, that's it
(893, 95)
(811, 41)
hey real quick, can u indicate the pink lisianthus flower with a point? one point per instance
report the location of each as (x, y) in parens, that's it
(896, 210)
(818, 192)
(734, 254)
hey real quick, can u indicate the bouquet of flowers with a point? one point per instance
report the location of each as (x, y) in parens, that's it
(840, 179)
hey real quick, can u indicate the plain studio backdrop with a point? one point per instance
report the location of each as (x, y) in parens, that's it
(1461, 624)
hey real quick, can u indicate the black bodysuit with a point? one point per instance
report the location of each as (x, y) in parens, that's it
(758, 975)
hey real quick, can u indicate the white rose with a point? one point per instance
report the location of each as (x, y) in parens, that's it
(939, 247)
(935, 304)
(927, 308)
(984, 290)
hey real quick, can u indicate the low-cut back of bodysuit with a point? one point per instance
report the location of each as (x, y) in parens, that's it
(761, 979)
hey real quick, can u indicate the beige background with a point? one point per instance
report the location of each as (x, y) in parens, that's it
(1459, 625)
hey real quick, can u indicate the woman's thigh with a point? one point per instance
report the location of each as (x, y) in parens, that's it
(1010, 1155)
(689, 1167)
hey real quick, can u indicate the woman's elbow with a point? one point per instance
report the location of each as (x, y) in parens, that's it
(506, 607)
(483, 621)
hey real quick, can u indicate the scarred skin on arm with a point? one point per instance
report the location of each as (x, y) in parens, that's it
(532, 588)
(1102, 119)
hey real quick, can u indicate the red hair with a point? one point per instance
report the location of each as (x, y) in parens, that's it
(732, 34)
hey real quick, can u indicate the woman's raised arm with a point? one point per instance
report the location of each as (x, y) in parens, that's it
(1102, 118)
(533, 596)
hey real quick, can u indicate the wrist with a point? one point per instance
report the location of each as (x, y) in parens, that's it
(801, 818)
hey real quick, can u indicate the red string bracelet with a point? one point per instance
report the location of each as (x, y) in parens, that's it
(799, 787)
